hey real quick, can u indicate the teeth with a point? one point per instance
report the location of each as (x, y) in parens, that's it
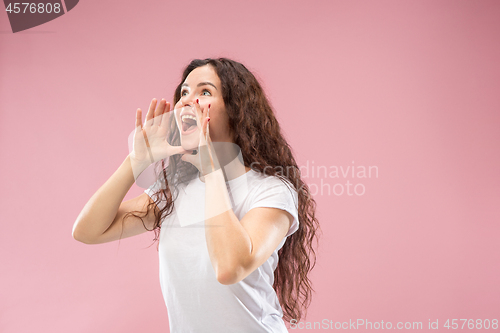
(188, 116)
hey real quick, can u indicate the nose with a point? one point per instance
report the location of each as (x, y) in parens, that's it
(187, 100)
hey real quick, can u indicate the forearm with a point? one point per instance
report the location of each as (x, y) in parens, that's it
(100, 211)
(229, 245)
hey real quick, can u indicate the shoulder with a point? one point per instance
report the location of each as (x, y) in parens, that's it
(277, 188)
(274, 192)
(262, 182)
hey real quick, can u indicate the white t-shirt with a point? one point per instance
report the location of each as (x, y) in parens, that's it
(195, 300)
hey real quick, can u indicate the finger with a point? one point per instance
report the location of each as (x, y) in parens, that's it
(163, 120)
(199, 114)
(150, 114)
(138, 119)
(167, 107)
(205, 116)
(208, 122)
(189, 158)
(159, 111)
(179, 150)
(205, 127)
(203, 137)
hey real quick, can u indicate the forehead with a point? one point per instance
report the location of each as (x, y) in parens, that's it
(203, 74)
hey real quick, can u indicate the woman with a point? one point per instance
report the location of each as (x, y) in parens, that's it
(228, 201)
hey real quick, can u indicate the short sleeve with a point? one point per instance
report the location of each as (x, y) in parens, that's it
(273, 193)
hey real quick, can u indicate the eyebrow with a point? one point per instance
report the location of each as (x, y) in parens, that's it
(201, 84)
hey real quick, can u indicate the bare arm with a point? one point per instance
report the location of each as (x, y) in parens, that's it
(101, 220)
(237, 248)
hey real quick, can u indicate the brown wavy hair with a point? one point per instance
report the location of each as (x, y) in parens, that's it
(263, 147)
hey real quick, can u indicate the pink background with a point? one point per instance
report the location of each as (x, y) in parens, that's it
(410, 87)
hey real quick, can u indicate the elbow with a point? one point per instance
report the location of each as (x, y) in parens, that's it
(228, 276)
(79, 236)
(76, 236)
(233, 271)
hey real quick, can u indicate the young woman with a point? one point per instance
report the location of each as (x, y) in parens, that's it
(228, 202)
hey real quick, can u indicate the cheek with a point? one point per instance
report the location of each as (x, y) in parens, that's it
(219, 123)
(219, 115)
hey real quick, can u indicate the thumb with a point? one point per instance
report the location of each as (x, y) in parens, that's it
(179, 150)
(189, 157)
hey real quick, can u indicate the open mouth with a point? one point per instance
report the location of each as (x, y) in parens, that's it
(189, 123)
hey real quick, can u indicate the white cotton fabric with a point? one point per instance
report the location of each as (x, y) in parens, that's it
(196, 302)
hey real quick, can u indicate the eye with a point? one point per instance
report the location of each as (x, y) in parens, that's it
(205, 92)
(184, 92)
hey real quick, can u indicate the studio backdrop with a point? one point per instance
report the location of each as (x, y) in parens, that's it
(390, 107)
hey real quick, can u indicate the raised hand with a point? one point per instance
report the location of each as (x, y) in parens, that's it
(150, 141)
(205, 159)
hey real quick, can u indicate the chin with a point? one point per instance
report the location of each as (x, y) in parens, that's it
(190, 141)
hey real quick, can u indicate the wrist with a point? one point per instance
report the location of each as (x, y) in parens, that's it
(217, 199)
(138, 166)
(215, 176)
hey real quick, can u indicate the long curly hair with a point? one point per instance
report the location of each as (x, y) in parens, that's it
(264, 149)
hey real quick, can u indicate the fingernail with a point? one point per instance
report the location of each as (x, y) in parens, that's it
(209, 105)
(197, 101)
(208, 119)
